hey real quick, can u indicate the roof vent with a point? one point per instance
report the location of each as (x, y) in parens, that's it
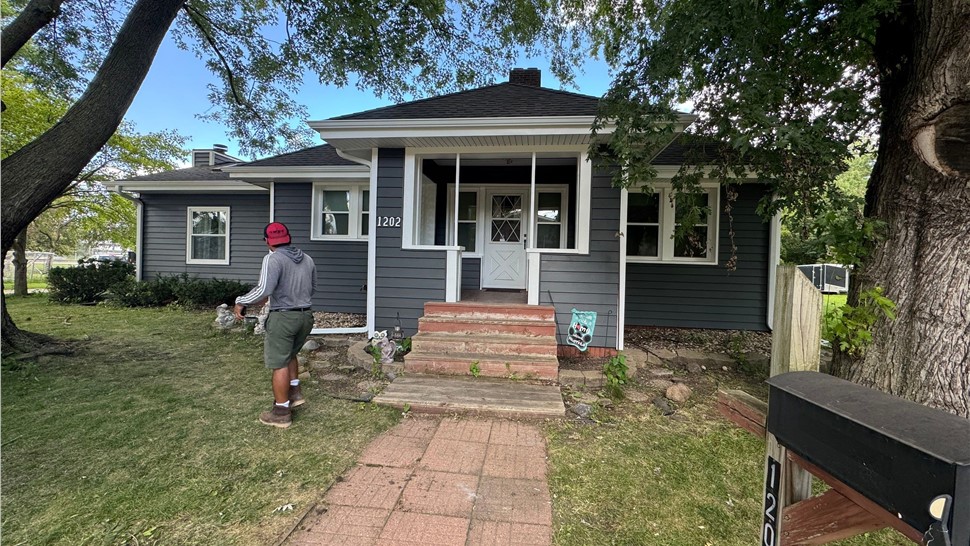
(526, 76)
(221, 148)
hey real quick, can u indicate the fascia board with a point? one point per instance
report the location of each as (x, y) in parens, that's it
(303, 170)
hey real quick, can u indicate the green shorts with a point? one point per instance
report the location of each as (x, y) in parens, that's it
(286, 332)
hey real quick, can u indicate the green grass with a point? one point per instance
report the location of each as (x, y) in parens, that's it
(833, 301)
(149, 435)
(32, 284)
(640, 478)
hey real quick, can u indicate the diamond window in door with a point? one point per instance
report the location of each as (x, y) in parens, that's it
(506, 218)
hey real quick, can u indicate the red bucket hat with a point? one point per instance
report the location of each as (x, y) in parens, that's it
(276, 234)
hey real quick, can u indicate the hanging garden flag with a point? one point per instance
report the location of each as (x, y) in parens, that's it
(581, 329)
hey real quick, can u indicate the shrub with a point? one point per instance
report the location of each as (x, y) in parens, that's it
(88, 282)
(176, 288)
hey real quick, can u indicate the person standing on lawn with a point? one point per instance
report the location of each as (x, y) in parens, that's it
(288, 278)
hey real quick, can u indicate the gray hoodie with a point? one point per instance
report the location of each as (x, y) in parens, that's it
(288, 277)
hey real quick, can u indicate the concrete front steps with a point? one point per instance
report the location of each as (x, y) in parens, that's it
(507, 340)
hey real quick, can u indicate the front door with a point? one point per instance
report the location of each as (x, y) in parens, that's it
(504, 259)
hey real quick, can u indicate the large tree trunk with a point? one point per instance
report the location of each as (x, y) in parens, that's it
(920, 187)
(35, 16)
(20, 264)
(40, 171)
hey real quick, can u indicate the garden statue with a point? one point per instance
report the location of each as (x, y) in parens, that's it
(225, 318)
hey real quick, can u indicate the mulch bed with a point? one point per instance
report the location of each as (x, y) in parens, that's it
(710, 341)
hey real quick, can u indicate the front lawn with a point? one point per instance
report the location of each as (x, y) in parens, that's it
(148, 434)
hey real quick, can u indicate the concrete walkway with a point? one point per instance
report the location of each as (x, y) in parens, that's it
(434, 481)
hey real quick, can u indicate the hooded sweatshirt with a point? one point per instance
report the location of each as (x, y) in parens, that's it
(288, 277)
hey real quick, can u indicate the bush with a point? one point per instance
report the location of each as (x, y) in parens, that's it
(177, 288)
(88, 282)
(209, 293)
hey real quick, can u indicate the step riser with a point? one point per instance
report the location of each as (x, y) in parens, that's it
(482, 346)
(460, 326)
(478, 311)
(489, 369)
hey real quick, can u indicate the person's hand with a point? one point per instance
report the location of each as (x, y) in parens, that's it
(238, 311)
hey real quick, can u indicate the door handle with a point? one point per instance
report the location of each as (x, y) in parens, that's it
(525, 238)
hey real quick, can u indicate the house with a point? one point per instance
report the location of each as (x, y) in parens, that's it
(440, 199)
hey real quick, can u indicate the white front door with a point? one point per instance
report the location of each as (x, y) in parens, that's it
(504, 259)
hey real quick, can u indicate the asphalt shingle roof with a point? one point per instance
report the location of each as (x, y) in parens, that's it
(499, 100)
(206, 172)
(688, 148)
(323, 155)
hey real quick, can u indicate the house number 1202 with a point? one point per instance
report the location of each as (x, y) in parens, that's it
(388, 221)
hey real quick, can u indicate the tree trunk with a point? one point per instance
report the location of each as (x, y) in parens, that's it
(20, 264)
(36, 174)
(920, 187)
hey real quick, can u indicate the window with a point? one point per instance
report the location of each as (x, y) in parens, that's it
(341, 212)
(653, 219)
(549, 219)
(468, 220)
(207, 235)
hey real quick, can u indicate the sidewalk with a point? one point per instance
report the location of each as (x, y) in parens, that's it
(434, 481)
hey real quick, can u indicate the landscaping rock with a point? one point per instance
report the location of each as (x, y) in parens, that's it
(605, 403)
(757, 361)
(678, 392)
(687, 357)
(583, 411)
(718, 360)
(346, 368)
(635, 358)
(572, 378)
(660, 384)
(320, 365)
(367, 386)
(364, 397)
(637, 396)
(310, 346)
(333, 377)
(659, 372)
(585, 397)
(662, 354)
(663, 405)
(305, 376)
(357, 356)
(693, 367)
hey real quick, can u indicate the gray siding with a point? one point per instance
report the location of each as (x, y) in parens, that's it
(592, 282)
(341, 265)
(164, 234)
(706, 296)
(406, 279)
(471, 273)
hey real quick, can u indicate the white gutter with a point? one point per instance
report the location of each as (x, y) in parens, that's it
(139, 230)
(353, 158)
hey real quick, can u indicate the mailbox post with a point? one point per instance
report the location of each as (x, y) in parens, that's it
(889, 462)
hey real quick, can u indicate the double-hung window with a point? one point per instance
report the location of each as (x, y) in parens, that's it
(654, 217)
(341, 211)
(207, 236)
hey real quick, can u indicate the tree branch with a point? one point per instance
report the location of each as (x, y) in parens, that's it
(35, 16)
(195, 15)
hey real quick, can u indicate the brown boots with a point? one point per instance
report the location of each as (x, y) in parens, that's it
(296, 396)
(277, 417)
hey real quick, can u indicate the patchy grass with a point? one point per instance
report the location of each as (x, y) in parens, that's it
(148, 434)
(637, 477)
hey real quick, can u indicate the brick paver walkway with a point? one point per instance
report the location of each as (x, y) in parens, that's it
(436, 482)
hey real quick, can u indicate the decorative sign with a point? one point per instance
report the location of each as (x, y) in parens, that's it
(388, 221)
(769, 532)
(581, 329)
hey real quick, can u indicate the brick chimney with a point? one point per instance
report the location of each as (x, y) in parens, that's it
(526, 76)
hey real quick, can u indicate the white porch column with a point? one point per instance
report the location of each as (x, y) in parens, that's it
(453, 275)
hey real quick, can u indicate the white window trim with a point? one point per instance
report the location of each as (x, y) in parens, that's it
(412, 190)
(667, 226)
(188, 235)
(563, 191)
(354, 226)
(479, 192)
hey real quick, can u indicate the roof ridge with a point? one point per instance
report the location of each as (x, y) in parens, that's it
(463, 92)
(452, 94)
(325, 144)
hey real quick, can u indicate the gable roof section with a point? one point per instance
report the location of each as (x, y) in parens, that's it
(324, 155)
(203, 173)
(499, 100)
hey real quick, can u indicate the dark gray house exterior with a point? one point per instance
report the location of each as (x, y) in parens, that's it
(484, 190)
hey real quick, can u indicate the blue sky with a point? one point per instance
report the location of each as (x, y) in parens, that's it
(174, 94)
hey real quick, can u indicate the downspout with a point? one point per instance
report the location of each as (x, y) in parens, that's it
(774, 258)
(139, 220)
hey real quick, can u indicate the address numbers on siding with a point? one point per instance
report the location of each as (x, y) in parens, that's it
(388, 221)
